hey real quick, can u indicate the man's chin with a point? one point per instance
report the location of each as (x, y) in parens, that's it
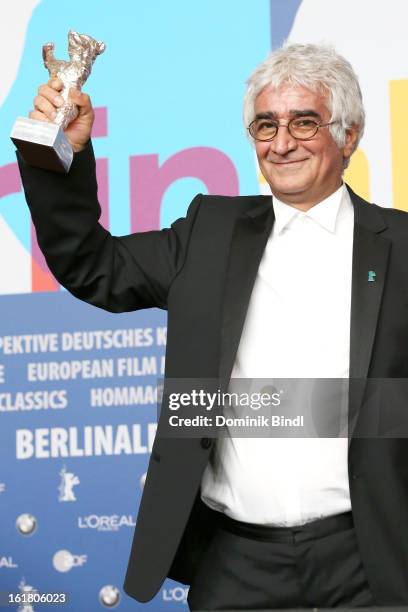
(288, 190)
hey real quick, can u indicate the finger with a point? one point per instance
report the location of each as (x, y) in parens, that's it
(51, 95)
(38, 115)
(43, 105)
(81, 99)
(55, 84)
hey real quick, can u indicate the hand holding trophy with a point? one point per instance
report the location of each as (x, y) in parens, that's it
(40, 138)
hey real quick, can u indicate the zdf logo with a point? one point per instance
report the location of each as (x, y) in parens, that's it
(63, 560)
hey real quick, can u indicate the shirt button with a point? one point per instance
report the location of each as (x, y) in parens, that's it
(205, 443)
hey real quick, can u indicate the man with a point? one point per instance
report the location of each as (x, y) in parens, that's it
(260, 287)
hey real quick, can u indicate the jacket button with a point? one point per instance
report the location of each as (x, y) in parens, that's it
(205, 443)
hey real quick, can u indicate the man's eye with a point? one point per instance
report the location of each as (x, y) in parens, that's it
(266, 125)
(304, 122)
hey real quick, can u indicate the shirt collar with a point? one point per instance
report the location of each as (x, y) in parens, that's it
(324, 213)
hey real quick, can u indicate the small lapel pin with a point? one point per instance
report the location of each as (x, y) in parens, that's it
(371, 276)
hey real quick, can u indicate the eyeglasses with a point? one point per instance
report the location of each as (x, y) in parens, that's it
(301, 128)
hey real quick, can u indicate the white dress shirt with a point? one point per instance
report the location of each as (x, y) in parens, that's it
(297, 326)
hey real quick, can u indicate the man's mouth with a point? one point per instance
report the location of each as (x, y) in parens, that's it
(288, 162)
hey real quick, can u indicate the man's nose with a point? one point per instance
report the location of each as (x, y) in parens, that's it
(283, 141)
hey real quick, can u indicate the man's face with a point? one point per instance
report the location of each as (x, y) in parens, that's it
(302, 172)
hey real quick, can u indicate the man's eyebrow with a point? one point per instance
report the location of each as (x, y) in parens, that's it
(308, 112)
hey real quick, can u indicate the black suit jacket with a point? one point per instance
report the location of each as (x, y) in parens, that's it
(202, 270)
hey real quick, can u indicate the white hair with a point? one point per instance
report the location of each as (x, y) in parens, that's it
(320, 69)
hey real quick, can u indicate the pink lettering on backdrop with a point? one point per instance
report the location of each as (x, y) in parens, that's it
(10, 181)
(149, 180)
(100, 129)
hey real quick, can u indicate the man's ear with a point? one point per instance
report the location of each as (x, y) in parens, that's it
(351, 140)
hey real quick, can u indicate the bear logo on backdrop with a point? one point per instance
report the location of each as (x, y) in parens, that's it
(25, 588)
(66, 488)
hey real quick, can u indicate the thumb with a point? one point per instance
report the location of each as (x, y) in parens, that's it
(81, 100)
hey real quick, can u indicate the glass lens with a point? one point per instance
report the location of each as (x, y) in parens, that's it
(263, 129)
(303, 127)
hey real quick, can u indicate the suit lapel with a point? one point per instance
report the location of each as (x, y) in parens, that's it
(249, 238)
(370, 262)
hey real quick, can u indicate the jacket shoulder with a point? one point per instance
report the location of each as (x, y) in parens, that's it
(375, 215)
(232, 206)
(392, 214)
(396, 221)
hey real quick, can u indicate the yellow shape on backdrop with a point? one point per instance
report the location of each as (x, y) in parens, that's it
(357, 175)
(399, 137)
(261, 179)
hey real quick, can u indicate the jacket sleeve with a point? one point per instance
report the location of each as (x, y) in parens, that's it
(118, 274)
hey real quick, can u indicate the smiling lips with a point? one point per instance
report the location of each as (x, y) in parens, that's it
(292, 161)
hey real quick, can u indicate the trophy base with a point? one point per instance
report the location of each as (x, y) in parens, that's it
(42, 144)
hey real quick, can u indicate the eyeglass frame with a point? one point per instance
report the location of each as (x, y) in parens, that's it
(278, 125)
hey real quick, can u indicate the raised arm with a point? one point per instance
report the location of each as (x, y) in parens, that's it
(115, 273)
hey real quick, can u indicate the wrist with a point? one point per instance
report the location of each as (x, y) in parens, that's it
(77, 148)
